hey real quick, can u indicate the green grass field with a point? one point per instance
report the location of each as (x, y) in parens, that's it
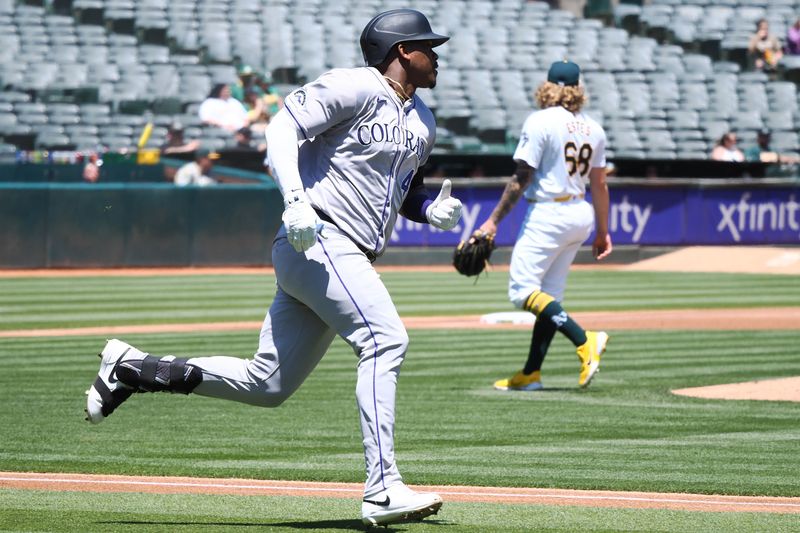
(91, 301)
(85, 512)
(626, 432)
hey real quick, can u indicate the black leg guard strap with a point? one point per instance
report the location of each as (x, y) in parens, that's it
(183, 378)
(149, 369)
(153, 374)
(111, 399)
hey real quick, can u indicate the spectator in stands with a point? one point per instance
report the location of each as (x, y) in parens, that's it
(198, 171)
(273, 100)
(91, 170)
(244, 142)
(793, 38)
(257, 116)
(221, 110)
(764, 153)
(726, 149)
(477, 172)
(764, 48)
(175, 143)
(761, 151)
(432, 170)
(248, 81)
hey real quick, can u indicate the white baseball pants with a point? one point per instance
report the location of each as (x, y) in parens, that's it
(546, 245)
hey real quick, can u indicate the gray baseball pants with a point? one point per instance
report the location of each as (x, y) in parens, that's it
(330, 289)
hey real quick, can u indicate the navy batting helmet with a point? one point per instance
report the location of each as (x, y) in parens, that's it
(392, 27)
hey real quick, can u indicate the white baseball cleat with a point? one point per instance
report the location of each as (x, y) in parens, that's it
(107, 393)
(398, 503)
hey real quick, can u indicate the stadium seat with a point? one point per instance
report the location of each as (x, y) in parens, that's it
(747, 120)
(7, 122)
(116, 143)
(162, 57)
(683, 153)
(53, 141)
(785, 141)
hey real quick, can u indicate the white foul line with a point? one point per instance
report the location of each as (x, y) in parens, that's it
(442, 492)
(620, 498)
(176, 484)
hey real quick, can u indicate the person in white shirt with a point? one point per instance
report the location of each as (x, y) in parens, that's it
(222, 110)
(197, 172)
(727, 150)
(560, 147)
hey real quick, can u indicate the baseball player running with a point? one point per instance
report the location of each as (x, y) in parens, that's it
(558, 149)
(345, 152)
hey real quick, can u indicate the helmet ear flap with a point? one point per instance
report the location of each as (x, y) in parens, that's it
(369, 47)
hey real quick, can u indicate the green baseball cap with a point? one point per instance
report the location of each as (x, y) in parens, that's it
(564, 73)
(206, 152)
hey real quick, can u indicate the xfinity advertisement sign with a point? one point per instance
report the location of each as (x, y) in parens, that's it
(750, 217)
(663, 216)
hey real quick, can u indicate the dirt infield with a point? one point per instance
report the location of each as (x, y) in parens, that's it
(680, 319)
(728, 259)
(524, 496)
(786, 389)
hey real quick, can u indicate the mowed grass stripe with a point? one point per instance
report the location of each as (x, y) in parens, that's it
(126, 317)
(70, 511)
(625, 432)
(415, 297)
(134, 294)
(111, 282)
(583, 280)
(127, 305)
(232, 282)
(44, 302)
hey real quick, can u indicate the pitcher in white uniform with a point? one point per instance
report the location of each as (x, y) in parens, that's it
(345, 152)
(559, 148)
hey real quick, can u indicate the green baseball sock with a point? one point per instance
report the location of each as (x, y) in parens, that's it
(543, 333)
(554, 313)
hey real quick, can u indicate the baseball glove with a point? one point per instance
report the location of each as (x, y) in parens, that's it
(471, 257)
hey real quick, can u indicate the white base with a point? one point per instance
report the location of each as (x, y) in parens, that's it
(509, 317)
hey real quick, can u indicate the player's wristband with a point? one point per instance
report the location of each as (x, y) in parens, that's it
(292, 197)
(415, 207)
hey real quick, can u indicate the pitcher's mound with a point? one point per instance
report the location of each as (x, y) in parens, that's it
(779, 390)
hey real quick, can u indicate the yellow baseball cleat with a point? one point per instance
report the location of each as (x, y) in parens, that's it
(589, 353)
(520, 381)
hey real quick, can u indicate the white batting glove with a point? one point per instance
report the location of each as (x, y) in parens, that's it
(301, 221)
(445, 211)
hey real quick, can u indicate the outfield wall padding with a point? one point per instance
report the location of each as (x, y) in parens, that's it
(127, 225)
(136, 225)
(23, 227)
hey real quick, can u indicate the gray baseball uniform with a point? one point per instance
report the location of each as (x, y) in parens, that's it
(369, 146)
(363, 147)
(345, 152)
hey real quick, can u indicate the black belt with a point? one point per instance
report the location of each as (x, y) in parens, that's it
(369, 253)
